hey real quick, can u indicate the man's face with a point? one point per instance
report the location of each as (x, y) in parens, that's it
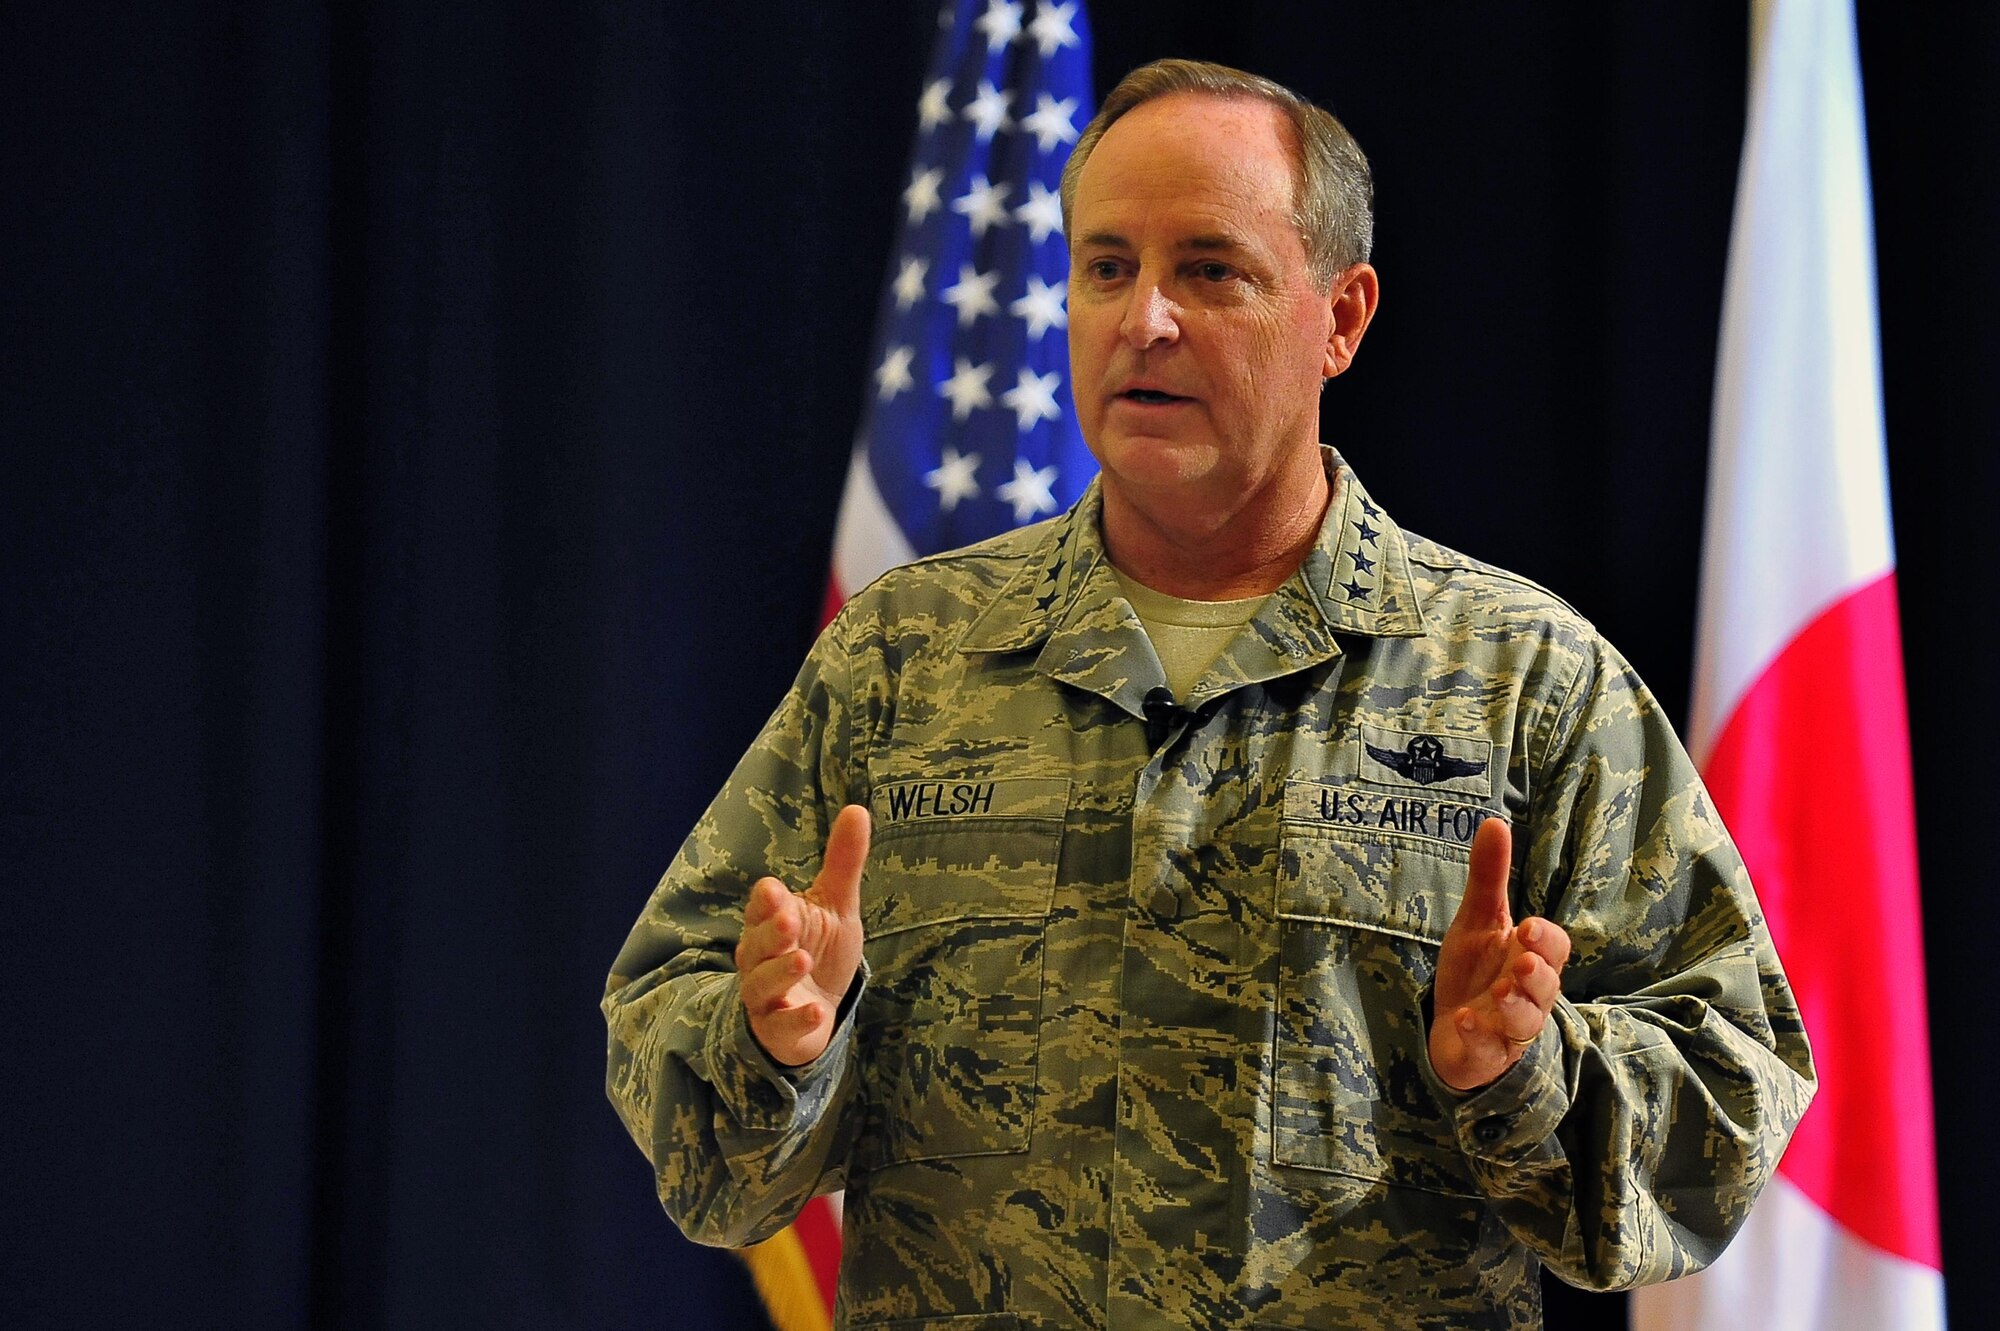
(1198, 341)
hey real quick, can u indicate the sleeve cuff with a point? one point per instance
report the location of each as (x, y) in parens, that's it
(762, 1094)
(1510, 1119)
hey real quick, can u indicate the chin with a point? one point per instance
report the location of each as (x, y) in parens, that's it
(1150, 464)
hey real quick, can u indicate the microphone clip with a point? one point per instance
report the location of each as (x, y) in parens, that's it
(1162, 715)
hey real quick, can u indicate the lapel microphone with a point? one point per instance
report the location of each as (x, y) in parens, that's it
(1162, 714)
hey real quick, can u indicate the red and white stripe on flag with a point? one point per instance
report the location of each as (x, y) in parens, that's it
(1799, 723)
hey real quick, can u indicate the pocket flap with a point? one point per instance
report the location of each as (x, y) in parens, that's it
(963, 850)
(1362, 858)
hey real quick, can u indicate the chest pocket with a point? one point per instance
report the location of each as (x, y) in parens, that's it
(954, 908)
(1361, 911)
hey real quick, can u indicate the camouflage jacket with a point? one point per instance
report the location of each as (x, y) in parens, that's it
(1140, 1036)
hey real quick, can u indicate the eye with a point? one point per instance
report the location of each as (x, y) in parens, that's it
(1212, 271)
(1104, 270)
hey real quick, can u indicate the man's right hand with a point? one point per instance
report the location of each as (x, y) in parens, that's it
(799, 951)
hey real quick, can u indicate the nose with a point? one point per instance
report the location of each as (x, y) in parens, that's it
(1150, 317)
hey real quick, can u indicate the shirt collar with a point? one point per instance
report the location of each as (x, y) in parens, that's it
(1356, 579)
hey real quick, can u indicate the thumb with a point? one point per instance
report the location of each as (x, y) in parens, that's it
(838, 887)
(1484, 905)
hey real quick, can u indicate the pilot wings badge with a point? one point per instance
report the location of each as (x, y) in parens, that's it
(1424, 761)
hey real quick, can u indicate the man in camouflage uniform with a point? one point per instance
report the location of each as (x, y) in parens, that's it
(1212, 1010)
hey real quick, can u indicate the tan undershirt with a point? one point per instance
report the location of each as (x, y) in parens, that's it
(1187, 635)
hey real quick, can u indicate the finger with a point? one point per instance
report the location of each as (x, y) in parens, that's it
(1546, 939)
(1515, 1017)
(766, 895)
(1484, 905)
(1538, 981)
(1486, 1028)
(765, 987)
(1464, 1057)
(778, 934)
(838, 887)
(794, 1036)
(771, 924)
(795, 1023)
(1520, 1020)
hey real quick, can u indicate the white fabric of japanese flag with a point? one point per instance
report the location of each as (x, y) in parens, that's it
(1799, 723)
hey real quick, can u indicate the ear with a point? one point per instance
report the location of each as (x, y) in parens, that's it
(1351, 301)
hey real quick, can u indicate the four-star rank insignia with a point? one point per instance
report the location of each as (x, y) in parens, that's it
(1424, 761)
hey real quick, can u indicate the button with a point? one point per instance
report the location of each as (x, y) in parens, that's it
(1164, 903)
(1489, 1130)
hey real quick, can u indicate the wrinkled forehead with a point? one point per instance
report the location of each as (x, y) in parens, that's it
(1235, 151)
(1190, 164)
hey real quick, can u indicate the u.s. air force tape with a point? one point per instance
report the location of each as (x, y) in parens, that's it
(1369, 812)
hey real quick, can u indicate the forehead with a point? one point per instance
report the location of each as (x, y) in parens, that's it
(1192, 155)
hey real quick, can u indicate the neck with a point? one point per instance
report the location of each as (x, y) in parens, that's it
(1178, 545)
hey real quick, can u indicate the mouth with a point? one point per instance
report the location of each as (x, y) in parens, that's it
(1150, 397)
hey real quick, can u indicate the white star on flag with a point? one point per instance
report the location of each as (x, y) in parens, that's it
(1001, 23)
(932, 109)
(892, 376)
(954, 479)
(1042, 308)
(988, 111)
(973, 296)
(966, 388)
(983, 205)
(1051, 123)
(1042, 212)
(922, 194)
(1032, 399)
(1029, 491)
(909, 283)
(1051, 27)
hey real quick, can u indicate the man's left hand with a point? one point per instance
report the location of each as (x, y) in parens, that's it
(1496, 981)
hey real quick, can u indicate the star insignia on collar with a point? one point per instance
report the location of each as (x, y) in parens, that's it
(1054, 579)
(1355, 591)
(1362, 563)
(1366, 532)
(1369, 508)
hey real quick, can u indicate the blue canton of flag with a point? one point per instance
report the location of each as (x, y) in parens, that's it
(969, 427)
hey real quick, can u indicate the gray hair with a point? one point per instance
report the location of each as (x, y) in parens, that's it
(1333, 195)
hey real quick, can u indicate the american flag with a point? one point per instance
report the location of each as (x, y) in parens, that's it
(969, 428)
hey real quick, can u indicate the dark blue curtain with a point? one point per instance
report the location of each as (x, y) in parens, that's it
(421, 428)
